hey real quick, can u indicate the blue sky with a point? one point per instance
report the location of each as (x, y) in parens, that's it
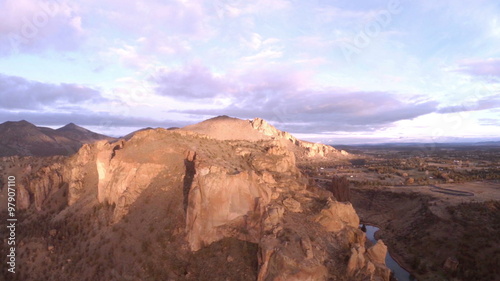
(330, 71)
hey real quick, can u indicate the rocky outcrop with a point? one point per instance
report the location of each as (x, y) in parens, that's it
(340, 189)
(222, 205)
(337, 216)
(292, 205)
(251, 191)
(36, 188)
(317, 149)
(124, 173)
(266, 129)
(378, 252)
(368, 264)
(80, 170)
(228, 128)
(276, 159)
(308, 149)
(278, 264)
(226, 203)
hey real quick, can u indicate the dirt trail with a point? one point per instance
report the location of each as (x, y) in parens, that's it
(449, 191)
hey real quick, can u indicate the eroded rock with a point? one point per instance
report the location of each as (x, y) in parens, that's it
(337, 215)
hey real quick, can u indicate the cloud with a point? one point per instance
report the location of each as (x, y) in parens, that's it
(241, 8)
(34, 26)
(88, 118)
(489, 67)
(489, 122)
(191, 82)
(325, 111)
(265, 55)
(241, 86)
(489, 102)
(20, 93)
(288, 96)
(154, 20)
(329, 14)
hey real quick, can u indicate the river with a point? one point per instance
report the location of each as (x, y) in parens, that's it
(400, 273)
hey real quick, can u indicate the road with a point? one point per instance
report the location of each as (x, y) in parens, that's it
(449, 191)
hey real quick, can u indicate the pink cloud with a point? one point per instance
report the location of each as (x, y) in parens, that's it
(489, 67)
(32, 26)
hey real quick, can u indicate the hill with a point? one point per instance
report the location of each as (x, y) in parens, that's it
(22, 138)
(257, 129)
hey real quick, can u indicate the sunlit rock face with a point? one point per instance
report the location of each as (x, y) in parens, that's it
(227, 128)
(368, 263)
(36, 185)
(337, 216)
(303, 148)
(226, 202)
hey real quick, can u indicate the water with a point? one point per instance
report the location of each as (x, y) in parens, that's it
(400, 273)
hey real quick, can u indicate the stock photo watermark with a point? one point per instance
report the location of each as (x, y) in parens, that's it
(31, 26)
(371, 30)
(11, 224)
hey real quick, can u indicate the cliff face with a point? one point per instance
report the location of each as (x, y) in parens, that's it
(218, 190)
(227, 201)
(302, 148)
(228, 128)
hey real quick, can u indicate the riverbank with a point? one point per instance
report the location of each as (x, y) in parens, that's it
(396, 256)
(422, 232)
(400, 273)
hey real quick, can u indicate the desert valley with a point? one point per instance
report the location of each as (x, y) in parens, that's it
(233, 199)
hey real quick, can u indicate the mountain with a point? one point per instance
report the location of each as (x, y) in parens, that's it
(181, 205)
(75, 132)
(257, 129)
(25, 139)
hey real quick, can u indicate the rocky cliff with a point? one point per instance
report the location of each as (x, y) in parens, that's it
(303, 148)
(228, 128)
(199, 192)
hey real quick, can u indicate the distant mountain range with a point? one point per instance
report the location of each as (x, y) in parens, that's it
(25, 139)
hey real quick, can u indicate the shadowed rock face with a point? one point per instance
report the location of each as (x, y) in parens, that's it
(217, 190)
(340, 189)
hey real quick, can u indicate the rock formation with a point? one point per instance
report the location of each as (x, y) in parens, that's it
(340, 189)
(214, 190)
(337, 216)
(368, 264)
(228, 128)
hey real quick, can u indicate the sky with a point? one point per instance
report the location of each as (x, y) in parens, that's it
(337, 71)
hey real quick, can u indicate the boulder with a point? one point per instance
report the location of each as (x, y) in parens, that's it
(337, 215)
(292, 205)
(378, 252)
